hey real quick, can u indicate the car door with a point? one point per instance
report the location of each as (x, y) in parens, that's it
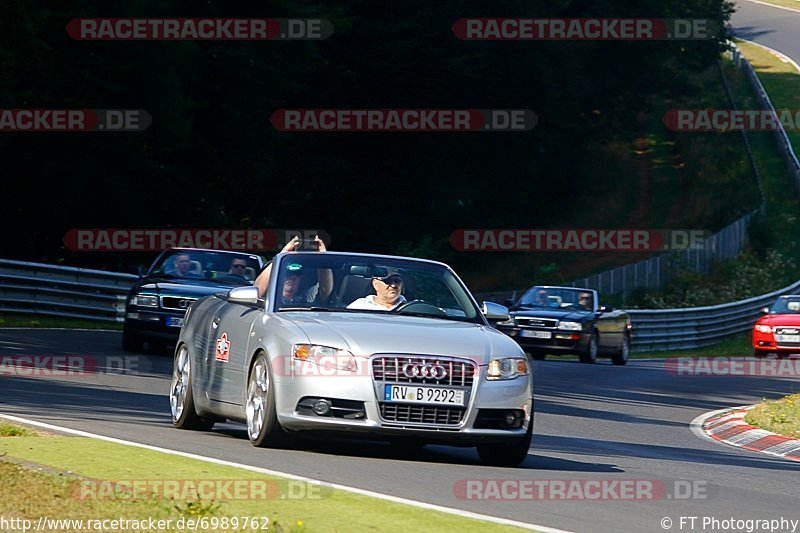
(226, 357)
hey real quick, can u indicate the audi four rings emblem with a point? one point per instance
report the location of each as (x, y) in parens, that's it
(424, 370)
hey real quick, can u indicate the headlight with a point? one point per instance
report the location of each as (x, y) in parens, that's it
(325, 356)
(763, 329)
(570, 326)
(508, 368)
(145, 300)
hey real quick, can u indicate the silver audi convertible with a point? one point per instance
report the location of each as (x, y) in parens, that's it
(371, 346)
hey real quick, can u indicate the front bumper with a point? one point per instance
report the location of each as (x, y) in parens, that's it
(154, 323)
(560, 341)
(767, 342)
(484, 399)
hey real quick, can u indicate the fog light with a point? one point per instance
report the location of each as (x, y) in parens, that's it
(321, 407)
(510, 418)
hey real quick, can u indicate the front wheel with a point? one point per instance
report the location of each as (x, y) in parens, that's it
(131, 340)
(508, 455)
(263, 428)
(589, 356)
(181, 401)
(621, 357)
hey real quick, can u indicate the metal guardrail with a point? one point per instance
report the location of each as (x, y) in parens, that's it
(785, 145)
(695, 327)
(43, 289)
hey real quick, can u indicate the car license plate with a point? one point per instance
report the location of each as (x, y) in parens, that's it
(174, 321)
(413, 394)
(535, 334)
(787, 338)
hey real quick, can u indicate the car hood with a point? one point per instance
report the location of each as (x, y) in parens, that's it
(557, 314)
(197, 289)
(781, 320)
(366, 334)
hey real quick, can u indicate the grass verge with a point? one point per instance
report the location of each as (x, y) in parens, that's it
(11, 320)
(77, 490)
(779, 416)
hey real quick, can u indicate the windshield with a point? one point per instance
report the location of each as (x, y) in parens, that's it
(339, 282)
(225, 268)
(786, 306)
(557, 298)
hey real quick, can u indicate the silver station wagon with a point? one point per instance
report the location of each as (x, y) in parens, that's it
(370, 346)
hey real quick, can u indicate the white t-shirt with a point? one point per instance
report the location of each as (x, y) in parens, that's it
(368, 302)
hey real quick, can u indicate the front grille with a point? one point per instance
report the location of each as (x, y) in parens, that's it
(536, 322)
(180, 303)
(422, 414)
(460, 373)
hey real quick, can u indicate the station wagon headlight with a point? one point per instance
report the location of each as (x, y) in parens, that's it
(570, 326)
(145, 300)
(761, 328)
(508, 368)
(325, 356)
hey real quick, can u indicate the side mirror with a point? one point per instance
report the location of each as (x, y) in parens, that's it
(243, 295)
(495, 312)
(141, 270)
(509, 302)
(605, 309)
(765, 310)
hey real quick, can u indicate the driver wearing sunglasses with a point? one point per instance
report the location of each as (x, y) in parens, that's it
(388, 294)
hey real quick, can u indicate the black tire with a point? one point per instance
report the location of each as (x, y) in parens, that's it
(181, 400)
(589, 356)
(507, 455)
(760, 353)
(263, 428)
(621, 357)
(131, 340)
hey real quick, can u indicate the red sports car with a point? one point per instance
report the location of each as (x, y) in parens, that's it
(778, 331)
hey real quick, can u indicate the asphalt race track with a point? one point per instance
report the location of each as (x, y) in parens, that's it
(596, 422)
(770, 26)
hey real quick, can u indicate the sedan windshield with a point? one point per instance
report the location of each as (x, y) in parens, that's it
(786, 306)
(360, 284)
(224, 268)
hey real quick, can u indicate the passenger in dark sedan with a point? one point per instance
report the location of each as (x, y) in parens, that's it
(585, 301)
(183, 266)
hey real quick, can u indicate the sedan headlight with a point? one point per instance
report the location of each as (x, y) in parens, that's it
(763, 328)
(325, 356)
(570, 326)
(508, 368)
(145, 300)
